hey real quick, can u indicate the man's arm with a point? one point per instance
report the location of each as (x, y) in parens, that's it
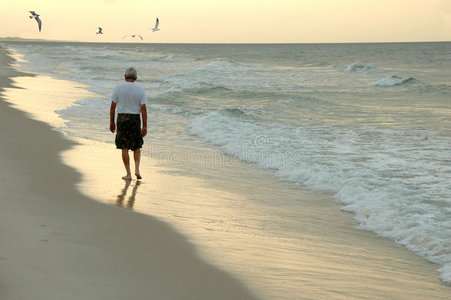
(144, 119)
(112, 115)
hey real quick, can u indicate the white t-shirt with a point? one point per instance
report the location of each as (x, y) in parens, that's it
(129, 97)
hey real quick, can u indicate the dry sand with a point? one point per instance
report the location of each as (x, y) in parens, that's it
(59, 244)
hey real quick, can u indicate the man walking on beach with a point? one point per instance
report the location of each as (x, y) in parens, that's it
(130, 100)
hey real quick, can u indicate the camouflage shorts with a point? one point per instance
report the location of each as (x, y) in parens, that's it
(128, 130)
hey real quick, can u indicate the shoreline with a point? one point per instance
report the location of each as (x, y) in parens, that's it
(329, 258)
(60, 244)
(324, 227)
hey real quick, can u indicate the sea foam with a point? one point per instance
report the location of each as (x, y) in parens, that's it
(385, 185)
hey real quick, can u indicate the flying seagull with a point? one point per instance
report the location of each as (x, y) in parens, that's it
(133, 36)
(36, 17)
(157, 22)
(100, 31)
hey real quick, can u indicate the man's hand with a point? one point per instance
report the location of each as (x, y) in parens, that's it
(112, 126)
(144, 131)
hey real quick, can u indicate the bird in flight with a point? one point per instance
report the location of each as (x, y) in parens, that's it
(36, 17)
(133, 36)
(100, 31)
(157, 22)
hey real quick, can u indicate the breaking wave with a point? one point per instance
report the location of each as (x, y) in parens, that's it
(394, 81)
(357, 68)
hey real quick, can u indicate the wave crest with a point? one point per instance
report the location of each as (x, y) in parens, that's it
(394, 81)
(357, 68)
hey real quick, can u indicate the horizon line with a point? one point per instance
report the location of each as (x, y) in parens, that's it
(19, 39)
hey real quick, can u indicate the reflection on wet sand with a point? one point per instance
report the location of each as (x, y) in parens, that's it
(131, 199)
(322, 255)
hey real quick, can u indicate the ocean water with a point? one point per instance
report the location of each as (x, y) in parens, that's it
(368, 123)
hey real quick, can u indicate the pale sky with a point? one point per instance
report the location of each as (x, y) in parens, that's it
(230, 21)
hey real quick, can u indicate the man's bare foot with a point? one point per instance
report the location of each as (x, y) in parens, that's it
(138, 176)
(127, 177)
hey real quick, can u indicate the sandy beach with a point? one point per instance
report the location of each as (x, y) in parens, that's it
(60, 244)
(71, 229)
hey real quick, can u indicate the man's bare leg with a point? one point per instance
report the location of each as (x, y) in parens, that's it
(137, 157)
(126, 160)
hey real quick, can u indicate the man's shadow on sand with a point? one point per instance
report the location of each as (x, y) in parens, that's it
(131, 199)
